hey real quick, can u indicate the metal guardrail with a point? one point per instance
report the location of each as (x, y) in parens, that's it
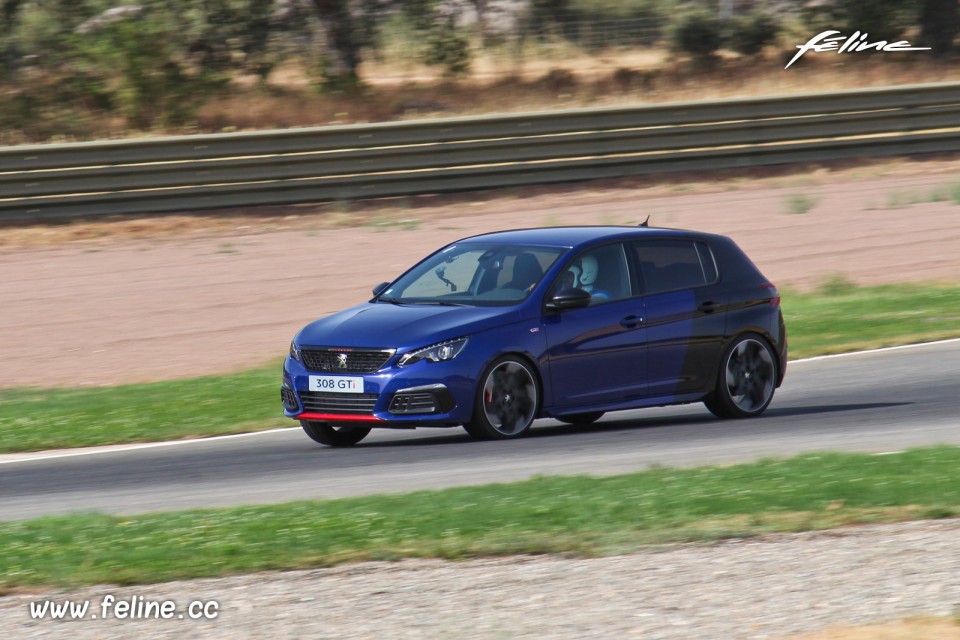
(197, 172)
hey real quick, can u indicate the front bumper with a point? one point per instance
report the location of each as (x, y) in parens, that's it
(421, 394)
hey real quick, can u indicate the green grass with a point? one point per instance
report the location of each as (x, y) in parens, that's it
(52, 418)
(898, 199)
(572, 515)
(839, 317)
(386, 224)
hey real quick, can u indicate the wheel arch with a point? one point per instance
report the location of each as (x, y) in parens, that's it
(530, 361)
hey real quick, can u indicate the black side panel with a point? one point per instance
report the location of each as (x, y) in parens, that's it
(753, 301)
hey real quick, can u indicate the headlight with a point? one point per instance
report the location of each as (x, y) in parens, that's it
(294, 352)
(435, 353)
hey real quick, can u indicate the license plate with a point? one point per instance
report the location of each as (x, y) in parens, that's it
(336, 384)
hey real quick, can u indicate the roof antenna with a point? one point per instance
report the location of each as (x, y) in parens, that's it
(645, 223)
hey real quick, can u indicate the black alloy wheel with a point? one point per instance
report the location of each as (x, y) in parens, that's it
(746, 380)
(507, 402)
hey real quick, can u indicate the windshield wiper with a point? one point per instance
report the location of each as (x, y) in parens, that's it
(442, 303)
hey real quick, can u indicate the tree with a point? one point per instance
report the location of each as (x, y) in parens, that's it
(341, 67)
(480, 7)
(547, 15)
(882, 19)
(938, 24)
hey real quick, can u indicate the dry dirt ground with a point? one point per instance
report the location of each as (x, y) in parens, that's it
(102, 303)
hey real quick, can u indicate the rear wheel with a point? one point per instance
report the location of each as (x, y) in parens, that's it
(334, 435)
(507, 400)
(581, 418)
(746, 381)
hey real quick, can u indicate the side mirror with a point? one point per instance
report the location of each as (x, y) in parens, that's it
(377, 290)
(569, 298)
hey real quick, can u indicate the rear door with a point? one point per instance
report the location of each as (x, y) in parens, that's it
(683, 309)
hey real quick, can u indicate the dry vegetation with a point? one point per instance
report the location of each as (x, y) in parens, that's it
(551, 81)
(629, 78)
(913, 629)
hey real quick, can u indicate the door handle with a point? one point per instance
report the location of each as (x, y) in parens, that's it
(709, 307)
(631, 321)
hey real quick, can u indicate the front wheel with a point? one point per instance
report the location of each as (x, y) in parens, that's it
(746, 380)
(507, 401)
(334, 436)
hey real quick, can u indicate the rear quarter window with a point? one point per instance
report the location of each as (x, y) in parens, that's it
(708, 262)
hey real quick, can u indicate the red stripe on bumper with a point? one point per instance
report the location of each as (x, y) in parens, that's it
(337, 417)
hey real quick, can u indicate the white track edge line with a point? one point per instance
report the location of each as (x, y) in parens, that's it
(28, 457)
(878, 350)
(168, 443)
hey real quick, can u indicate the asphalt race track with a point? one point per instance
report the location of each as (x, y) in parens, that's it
(871, 402)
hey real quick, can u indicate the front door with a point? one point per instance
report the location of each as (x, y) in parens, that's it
(596, 355)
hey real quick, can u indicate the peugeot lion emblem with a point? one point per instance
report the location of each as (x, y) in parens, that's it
(342, 360)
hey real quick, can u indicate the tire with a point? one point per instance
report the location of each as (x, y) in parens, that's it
(746, 380)
(334, 435)
(507, 401)
(581, 418)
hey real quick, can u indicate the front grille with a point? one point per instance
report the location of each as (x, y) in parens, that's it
(413, 403)
(345, 360)
(325, 402)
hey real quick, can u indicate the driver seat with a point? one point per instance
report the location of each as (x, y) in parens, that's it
(526, 272)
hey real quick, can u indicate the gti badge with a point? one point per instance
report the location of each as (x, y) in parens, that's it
(342, 360)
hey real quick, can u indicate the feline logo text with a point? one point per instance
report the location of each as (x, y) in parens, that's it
(834, 41)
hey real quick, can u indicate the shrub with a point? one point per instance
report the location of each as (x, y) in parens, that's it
(140, 72)
(698, 34)
(836, 284)
(800, 203)
(559, 80)
(447, 48)
(750, 34)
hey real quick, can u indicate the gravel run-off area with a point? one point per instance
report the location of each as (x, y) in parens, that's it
(768, 587)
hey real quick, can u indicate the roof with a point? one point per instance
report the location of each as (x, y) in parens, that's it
(575, 236)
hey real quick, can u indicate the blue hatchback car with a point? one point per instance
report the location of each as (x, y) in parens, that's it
(496, 330)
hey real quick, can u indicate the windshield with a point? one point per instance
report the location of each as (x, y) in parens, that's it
(474, 274)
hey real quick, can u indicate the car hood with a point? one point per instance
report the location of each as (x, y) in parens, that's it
(402, 326)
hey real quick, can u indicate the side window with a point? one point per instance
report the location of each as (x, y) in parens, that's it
(602, 272)
(669, 265)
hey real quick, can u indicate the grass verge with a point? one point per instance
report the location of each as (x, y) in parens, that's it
(568, 515)
(38, 419)
(840, 317)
